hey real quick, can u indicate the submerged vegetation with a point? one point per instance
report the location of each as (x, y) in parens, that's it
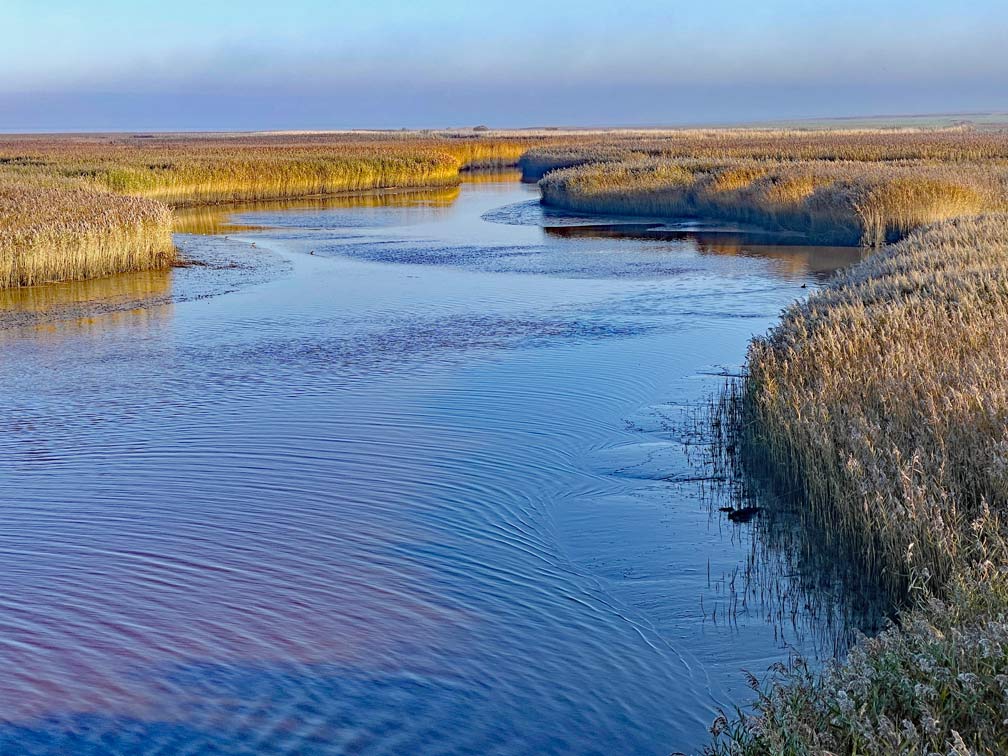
(881, 405)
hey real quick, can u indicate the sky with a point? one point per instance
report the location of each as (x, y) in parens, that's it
(130, 65)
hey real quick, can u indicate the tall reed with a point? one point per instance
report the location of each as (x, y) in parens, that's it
(60, 233)
(881, 404)
(87, 206)
(831, 202)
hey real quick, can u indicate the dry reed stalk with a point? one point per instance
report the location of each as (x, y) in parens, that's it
(869, 203)
(65, 233)
(881, 404)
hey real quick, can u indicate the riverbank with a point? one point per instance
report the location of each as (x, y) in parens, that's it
(214, 266)
(877, 408)
(55, 231)
(826, 202)
(880, 404)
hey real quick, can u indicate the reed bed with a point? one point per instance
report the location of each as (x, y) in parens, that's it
(180, 170)
(880, 404)
(830, 202)
(877, 408)
(961, 144)
(916, 176)
(58, 233)
(77, 207)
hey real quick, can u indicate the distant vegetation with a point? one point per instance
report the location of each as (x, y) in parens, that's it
(866, 186)
(948, 145)
(79, 207)
(853, 187)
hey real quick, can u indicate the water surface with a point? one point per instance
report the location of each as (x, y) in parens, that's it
(421, 490)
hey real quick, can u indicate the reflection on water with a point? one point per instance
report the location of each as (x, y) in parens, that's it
(417, 494)
(797, 257)
(126, 287)
(219, 219)
(127, 299)
(491, 175)
(800, 573)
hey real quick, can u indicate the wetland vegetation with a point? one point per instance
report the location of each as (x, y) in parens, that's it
(833, 187)
(879, 404)
(877, 407)
(76, 207)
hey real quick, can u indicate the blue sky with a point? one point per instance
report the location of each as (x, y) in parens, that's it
(188, 64)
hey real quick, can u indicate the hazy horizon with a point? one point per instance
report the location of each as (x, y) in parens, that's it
(308, 64)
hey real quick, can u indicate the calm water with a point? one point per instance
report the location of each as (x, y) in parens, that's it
(420, 492)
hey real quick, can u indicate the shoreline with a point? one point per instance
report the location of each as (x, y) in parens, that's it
(110, 200)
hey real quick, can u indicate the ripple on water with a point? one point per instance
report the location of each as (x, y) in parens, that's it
(399, 500)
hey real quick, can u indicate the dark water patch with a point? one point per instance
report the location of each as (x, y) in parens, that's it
(704, 236)
(430, 254)
(790, 250)
(533, 213)
(797, 571)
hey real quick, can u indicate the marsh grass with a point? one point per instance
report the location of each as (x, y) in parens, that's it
(936, 684)
(880, 403)
(868, 203)
(58, 233)
(182, 170)
(908, 145)
(220, 219)
(82, 207)
(856, 185)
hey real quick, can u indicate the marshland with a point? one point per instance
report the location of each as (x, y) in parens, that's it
(384, 440)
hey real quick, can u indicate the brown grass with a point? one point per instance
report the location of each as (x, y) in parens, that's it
(183, 170)
(832, 202)
(838, 186)
(78, 207)
(56, 233)
(884, 396)
(881, 404)
(948, 145)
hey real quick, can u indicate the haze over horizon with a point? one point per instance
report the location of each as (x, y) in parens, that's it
(308, 64)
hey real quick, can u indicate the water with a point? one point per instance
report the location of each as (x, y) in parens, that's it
(422, 491)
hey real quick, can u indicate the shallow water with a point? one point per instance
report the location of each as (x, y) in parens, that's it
(422, 491)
